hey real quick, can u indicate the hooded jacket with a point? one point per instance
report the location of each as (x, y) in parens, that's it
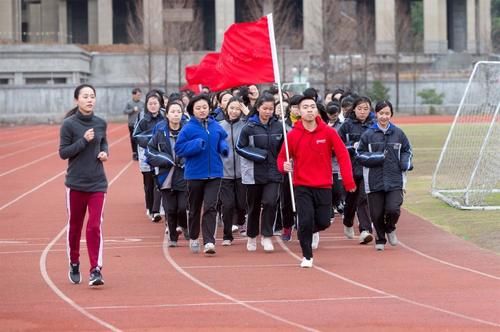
(259, 145)
(386, 157)
(161, 155)
(311, 152)
(143, 132)
(202, 144)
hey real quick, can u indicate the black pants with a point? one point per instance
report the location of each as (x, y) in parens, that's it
(385, 209)
(132, 141)
(285, 217)
(356, 203)
(233, 198)
(151, 193)
(261, 199)
(313, 214)
(203, 193)
(338, 191)
(175, 204)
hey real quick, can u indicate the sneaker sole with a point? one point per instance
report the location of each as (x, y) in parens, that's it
(209, 252)
(367, 239)
(73, 281)
(156, 219)
(98, 282)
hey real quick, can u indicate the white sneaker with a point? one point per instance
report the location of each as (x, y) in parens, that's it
(306, 263)
(252, 244)
(365, 237)
(148, 213)
(194, 245)
(267, 243)
(379, 247)
(226, 243)
(178, 229)
(209, 248)
(392, 238)
(234, 228)
(315, 241)
(349, 232)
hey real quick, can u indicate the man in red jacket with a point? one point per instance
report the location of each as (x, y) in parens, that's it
(311, 145)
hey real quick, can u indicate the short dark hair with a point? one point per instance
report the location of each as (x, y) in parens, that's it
(383, 104)
(136, 90)
(196, 99)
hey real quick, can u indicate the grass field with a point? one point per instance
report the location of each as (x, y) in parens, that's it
(479, 227)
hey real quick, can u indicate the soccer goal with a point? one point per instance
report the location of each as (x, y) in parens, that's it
(467, 175)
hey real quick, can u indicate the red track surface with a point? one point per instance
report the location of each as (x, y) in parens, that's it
(432, 281)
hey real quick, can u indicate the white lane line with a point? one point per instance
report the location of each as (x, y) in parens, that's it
(26, 149)
(202, 304)
(237, 266)
(25, 140)
(107, 248)
(55, 289)
(432, 258)
(381, 292)
(226, 296)
(47, 181)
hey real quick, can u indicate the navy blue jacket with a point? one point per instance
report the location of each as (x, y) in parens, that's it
(385, 158)
(202, 144)
(259, 145)
(161, 155)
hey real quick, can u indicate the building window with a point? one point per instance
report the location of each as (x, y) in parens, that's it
(45, 80)
(4, 81)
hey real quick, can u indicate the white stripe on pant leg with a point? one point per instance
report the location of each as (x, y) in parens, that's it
(68, 209)
(101, 241)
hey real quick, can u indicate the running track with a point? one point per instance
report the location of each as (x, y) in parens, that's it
(432, 281)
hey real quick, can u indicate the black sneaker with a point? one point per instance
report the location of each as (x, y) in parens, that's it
(74, 273)
(96, 277)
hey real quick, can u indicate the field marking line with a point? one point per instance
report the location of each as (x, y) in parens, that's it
(381, 292)
(55, 289)
(47, 181)
(201, 304)
(24, 140)
(440, 261)
(224, 295)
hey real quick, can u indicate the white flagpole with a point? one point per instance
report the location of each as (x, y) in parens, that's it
(277, 79)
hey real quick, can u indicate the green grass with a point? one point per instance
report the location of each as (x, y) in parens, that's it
(479, 227)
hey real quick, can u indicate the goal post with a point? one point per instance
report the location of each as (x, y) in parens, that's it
(467, 174)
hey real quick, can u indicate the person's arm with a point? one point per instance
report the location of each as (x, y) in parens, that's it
(129, 109)
(344, 161)
(368, 158)
(406, 160)
(223, 148)
(246, 150)
(186, 147)
(282, 163)
(103, 149)
(141, 134)
(155, 156)
(68, 148)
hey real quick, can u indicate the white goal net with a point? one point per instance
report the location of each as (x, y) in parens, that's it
(467, 174)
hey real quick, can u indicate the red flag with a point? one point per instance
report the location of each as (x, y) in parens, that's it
(246, 56)
(205, 72)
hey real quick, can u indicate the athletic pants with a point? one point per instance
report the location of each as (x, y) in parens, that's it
(356, 203)
(262, 199)
(203, 193)
(77, 204)
(313, 214)
(233, 198)
(175, 205)
(152, 195)
(385, 209)
(132, 141)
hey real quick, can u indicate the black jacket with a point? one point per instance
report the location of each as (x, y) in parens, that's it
(350, 131)
(160, 154)
(259, 145)
(385, 158)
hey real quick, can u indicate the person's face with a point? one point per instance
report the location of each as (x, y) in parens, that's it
(165, 101)
(384, 116)
(201, 109)
(174, 114)
(225, 98)
(333, 117)
(294, 110)
(153, 106)
(86, 100)
(328, 98)
(362, 111)
(136, 96)
(185, 100)
(308, 110)
(266, 111)
(253, 92)
(280, 108)
(234, 110)
(337, 96)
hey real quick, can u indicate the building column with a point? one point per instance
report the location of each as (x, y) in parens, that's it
(435, 27)
(105, 22)
(313, 25)
(10, 20)
(153, 22)
(92, 21)
(224, 17)
(34, 11)
(63, 22)
(472, 46)
(484, 26)
(385, 26)
(50, 20)
(267, 7)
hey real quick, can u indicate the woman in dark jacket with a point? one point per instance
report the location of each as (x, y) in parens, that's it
(386, 155)
(259, 144)
(142, 134)
(169, 171)
(202, 143)
(358, 121)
